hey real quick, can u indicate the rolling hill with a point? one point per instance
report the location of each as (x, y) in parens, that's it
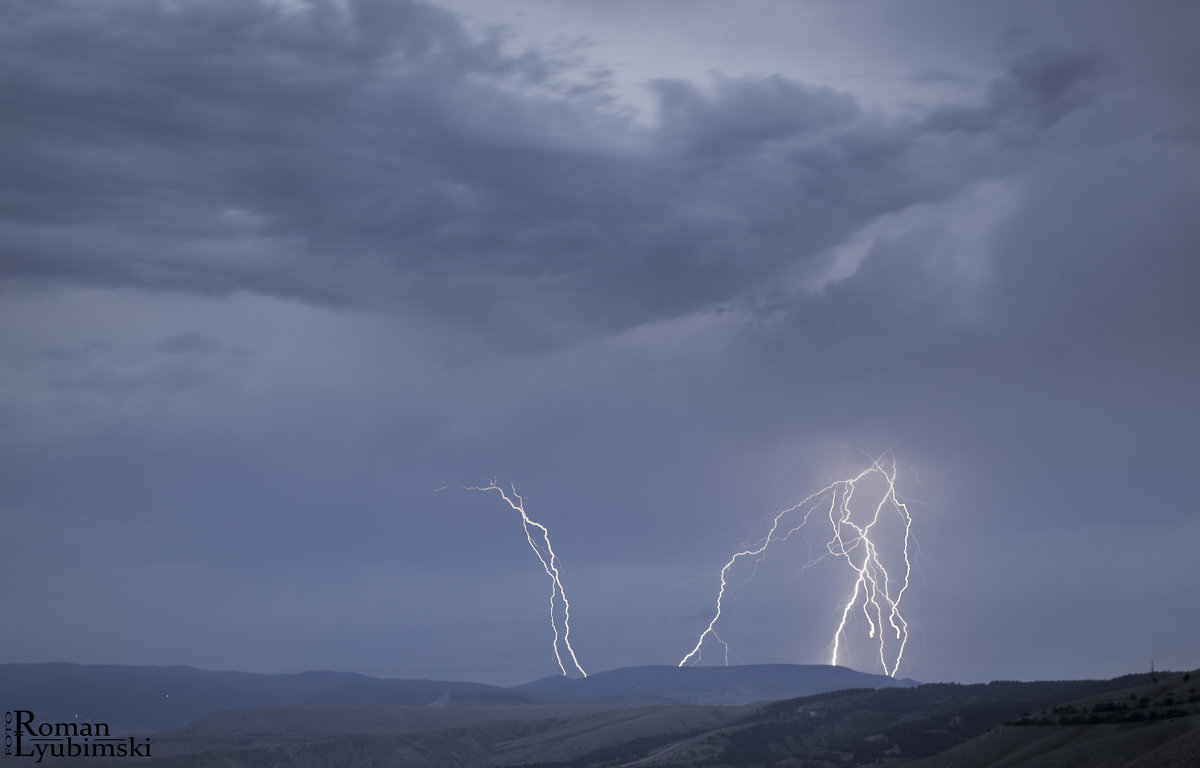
(734, 685)
(1126, 722)
(144, 699)
(141, 699)
(1155, 724)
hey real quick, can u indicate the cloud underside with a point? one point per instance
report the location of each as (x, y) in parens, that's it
(377, 154)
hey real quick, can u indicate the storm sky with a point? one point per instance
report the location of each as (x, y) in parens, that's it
(273, 272)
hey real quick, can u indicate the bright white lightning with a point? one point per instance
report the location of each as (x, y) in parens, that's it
(851, 541)
(549, 562)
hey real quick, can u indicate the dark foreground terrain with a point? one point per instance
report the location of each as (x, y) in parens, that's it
(1127, 722)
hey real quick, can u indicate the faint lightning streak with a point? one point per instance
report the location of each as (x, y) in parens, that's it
(852, 542)
(710, 629)
(550, 563)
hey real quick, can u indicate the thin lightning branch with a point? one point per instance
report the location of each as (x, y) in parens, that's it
(710, 629)
(549, 562)
(852, 542)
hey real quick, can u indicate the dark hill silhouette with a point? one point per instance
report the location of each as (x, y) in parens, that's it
(152, 698)
(146, 699)
(740, 684)
(1129, 722)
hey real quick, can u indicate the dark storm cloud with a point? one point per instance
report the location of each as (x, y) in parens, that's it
(739, 116)
(383, 153)
(1039, 90)
(1083, 251)
(1106, 250)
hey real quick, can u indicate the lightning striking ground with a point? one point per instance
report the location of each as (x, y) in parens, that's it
(549, 562)
(852, 542)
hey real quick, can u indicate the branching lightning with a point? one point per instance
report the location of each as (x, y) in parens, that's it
(540, 544)
(852, 542)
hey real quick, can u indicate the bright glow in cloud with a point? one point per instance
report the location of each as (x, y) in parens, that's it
(853, 540)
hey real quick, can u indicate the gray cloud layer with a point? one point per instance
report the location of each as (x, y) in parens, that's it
(355, 158)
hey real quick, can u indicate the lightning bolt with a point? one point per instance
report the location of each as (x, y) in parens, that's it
(852, 542)
(540, 544)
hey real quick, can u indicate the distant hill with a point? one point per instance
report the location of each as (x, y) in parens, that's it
(144, 699)
(1127, 722)
(741, 684)
(882, 727)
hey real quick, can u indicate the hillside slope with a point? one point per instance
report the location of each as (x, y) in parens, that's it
(1152, 725)
(733, 685)
(1128, 722)
(147, 699)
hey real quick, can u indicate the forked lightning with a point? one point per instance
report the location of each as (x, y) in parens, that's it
(549, 562)
(852, 542)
